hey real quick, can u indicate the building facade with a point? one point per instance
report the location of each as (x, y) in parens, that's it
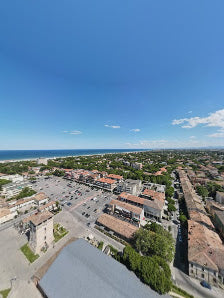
(41, 231)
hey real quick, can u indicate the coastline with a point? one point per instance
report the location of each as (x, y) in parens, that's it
(65, 156)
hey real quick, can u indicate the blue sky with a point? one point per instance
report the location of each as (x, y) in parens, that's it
(111, 74)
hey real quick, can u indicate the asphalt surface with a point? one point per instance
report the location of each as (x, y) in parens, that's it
(80, 200)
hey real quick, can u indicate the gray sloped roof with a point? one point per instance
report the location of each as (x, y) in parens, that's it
(83, 271)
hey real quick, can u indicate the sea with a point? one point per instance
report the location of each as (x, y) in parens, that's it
(9, 155)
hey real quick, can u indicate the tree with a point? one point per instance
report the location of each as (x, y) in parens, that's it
(171, 208)
(153, 271)
(169, 191)
(3, 182)
(58, 173)
(202, 191)
(25, 192)
(154, 240)
(182, 218)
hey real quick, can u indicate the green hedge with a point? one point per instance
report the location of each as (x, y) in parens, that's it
(181, 292)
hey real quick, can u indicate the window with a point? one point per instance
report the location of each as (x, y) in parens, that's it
(192, 271)
(44, 237)
(214, 279)
(192, 265)
(202, 275)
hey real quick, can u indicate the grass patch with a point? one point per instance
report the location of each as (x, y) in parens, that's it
(181, 292)
(31, 257)
(100, 246)
(5, 293)
(59, 232)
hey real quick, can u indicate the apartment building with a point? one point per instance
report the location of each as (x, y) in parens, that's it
(105, 183)
(12, 189)
(205, 254)
(205, 248)
(153, 209)
(117, 178)
(130, 186)
(136, 214)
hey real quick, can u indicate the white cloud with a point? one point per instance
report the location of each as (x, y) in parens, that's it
(73, 132)
(135, 129)
(192, 137)
(189, 112)
(112, 126)
(215, 119)
(219, 134)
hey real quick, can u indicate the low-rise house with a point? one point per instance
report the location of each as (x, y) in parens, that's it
(126, 210)
(120, 228)
(161, 171)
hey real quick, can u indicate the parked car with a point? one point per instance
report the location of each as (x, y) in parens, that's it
(69, 204)
(205, 284)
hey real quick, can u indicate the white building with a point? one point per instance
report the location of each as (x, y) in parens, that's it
(137, 165)
(14, 178)
(12, 189)
(42, 161)
(130, 186)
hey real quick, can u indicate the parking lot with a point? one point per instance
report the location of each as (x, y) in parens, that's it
(80, 200)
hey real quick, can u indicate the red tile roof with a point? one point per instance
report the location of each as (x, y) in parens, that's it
(120, 227)
(106, 180)
(132, 198)
(113, 176)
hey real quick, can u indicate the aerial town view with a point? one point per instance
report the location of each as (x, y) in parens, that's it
(111, 149)
(158, 213)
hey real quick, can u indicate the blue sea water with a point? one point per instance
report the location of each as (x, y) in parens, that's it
(33, 154)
